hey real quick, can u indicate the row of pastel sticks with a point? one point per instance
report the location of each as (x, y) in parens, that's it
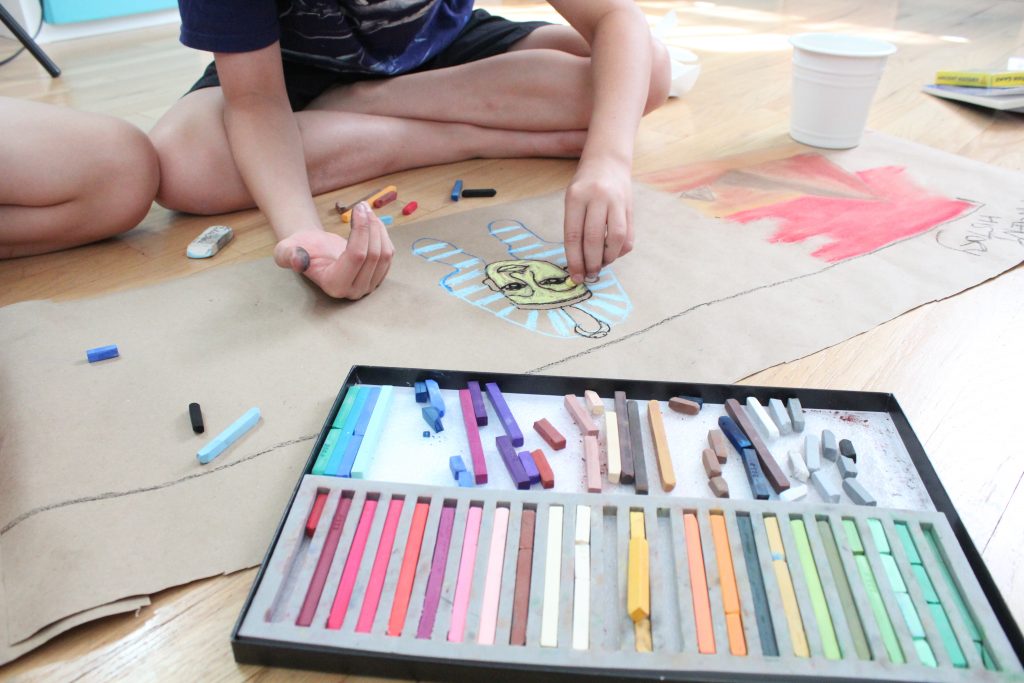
(836, 587)
(351, 442)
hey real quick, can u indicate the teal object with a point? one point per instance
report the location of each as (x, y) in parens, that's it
(72, 11)
(221, 442)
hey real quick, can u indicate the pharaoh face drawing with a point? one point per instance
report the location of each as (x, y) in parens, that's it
(534, 284)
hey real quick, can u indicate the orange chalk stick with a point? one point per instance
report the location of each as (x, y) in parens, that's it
(403, 591)
(346, 216)
(668, 475)
(727, 580)
(699, 586)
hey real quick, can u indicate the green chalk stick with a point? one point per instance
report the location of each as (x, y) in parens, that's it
(893, 572)
(842, 584)
(889, 639)
(878, 534)
(325, 451)
(924, 651)
(921, 574)
(986, 656)
(958, 598)
(910, 616)
(762, 612)
(829, 643)
(346, 406)
(903, 531)
(949, 641)
(853, 536)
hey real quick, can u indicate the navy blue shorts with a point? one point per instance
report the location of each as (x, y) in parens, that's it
(484, 36)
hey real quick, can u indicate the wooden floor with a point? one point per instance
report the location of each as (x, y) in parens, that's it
(955, 365)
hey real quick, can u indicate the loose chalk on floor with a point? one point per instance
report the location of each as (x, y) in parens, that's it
(102, 353)
(230, 435)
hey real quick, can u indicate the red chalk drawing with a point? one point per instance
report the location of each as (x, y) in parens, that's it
(808, 196)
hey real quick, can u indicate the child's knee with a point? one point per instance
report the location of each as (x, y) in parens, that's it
(661, 76)
(131, 177)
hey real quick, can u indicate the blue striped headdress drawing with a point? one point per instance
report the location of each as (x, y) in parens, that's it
(532, 288)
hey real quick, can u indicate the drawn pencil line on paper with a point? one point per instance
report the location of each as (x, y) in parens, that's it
(532, 289)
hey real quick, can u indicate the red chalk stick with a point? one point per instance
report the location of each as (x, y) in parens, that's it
(323, 565)
(385, 199)
(314, 514)
(339, 607)
(476, 449)
(403, 591)
(547, 477)
(409, 208)
(380, 567)
(550, 434)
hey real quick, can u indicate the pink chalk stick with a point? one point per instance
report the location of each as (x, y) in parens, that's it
(476, 449)
(380, 567)
(465, 580)
(323, 564)
(435, 580)
(492, 584)
(348, 575)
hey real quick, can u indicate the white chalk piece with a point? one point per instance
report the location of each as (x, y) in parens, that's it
(581, 598)
(594, 403)
(824, 487)
(797, 466)
(552, 579)
(794, 493)
(611, 444)
(812, 453)
(829, 446)
(761, 420)
(230, 435)
(796, 414)
(779, 416)
(209, 241)
(847, 467)
(857, 493)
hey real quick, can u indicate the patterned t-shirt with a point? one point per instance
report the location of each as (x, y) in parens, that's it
(382, 37)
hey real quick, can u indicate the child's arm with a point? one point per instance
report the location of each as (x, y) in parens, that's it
(267, 149)
(598, 202)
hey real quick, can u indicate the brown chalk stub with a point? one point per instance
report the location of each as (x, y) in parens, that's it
(716, 439)
(711, 464)
(681, 405)
(719, 487)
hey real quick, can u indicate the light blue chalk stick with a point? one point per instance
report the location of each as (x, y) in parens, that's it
(333, 464)
(465, 479)
(349, 457)
(230, 435)
(364, 417)
(358, 434)
(373, 433)
(337, 453)
(434, 396)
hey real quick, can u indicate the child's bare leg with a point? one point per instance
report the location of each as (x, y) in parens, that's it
(70, 177)
(198, 172)
(542, 83)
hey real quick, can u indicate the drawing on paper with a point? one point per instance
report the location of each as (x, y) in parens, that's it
(532, 288)
(809, 197)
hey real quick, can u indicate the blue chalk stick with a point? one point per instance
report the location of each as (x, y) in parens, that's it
(758, 484)
(694, 399)
(479, 409)
(421, 392)
(733, 432)
(433, 418)
(456, 190)
(102, 353)
(512, 462)
(465, 479)
(530, 466)
(367, 412)
(504, 414)
(434, 396)
(230, 435)
(386, 220)
(344, 465)
(456, 465)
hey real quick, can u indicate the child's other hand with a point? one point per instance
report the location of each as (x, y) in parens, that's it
(343, 269)
(598, 217)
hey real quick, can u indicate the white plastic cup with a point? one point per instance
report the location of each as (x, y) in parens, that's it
(834, 80)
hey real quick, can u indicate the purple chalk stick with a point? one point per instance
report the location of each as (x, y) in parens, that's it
(504, 414)
(530, 466)
(435, 580)
(512, 462)
(479, 409)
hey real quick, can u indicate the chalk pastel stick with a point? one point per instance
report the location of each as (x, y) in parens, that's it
(581, 598)
(698, 585)
(716, 439)
(759, 417)
(233, 433)
(346, 407)
(456, 465)
(552, 579)
(101, 353)
(592, 463)
(434, 396)
(325, 451)
(637, 446)
(727, 581)
(762, 611)
(407, 575)
(358, 433)
(772, 472)
(547, 477)
(433, 418)
(420, 389)
(812, 452)
(339, 607)
(464, 581)
(479, 409)
(323, 564)
(315, 512)
(512, 462)
(779, 416)
(504, 414)
(611, 442)
(797, 635)
(843, 591)
(732, 431)
(524, 571)
(661, 450)
(492, 582)
(797, 466)
(333, 464)
(579, 415)
(796, 414)
(551, 435)
(684, 406)
(824, 486)
(625, 443)
(532, 473)
(594, 403)
(758, 484)
(829, 445)
(374, 430)
(379, 571)
(476, 448)
(435, 580)
(819, 605)
(638, 578)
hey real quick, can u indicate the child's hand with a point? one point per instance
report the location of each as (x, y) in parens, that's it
(598, 217)
(343, 269)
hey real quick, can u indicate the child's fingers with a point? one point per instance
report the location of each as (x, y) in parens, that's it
(291, 256)
(387, 253)
(594, 234)
(615, 240)
(575, 212)
(362, 283)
